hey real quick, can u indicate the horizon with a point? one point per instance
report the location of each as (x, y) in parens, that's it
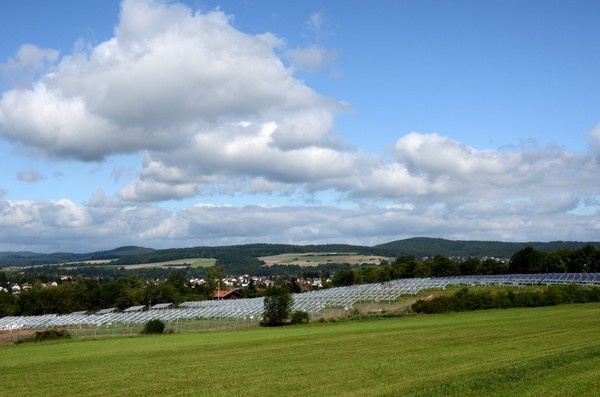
(304, 245)
(185, 123)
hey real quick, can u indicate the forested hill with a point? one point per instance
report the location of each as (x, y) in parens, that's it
(32, 258)
(248, 254)
(423, 246)
(233, 254)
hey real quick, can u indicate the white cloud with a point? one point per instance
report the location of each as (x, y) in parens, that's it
(453, 171)
(595, 141)
(168, 77)
(27, 62)
(106, 222)
(313, 57)
(315, 21)
(213, 111)
(434, 155)
(30, 176)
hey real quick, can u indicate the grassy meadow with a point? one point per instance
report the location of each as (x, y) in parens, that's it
(549, 351)
(193, 262)
(315, 258)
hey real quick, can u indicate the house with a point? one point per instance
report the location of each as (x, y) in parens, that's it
(227, 294)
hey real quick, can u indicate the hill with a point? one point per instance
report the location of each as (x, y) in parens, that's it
(26, 258)
(424, 246)
(246, 256)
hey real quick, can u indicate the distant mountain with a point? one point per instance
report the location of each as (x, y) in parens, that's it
(424, 246)
(244, 255)
(19, 253)
(25, 258)
(121, 252)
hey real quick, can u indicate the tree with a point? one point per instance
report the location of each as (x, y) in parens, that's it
(442, 266)
(422, 269)
(404, 267)
(469, 266)
(344, 277)
(8, 304)
(554, 263)
(527, 260)
(585, 260)
(493, 266)
(277, 304)
(214, 279)
(178, 282)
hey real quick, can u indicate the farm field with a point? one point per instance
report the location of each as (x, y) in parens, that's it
(550, 351)
(316, 258)
(193, 262)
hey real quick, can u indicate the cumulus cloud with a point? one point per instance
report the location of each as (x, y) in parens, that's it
(168, 77)
(106, 222)
(27, 62)
(29, 56)
(211, 111)
(448, 167)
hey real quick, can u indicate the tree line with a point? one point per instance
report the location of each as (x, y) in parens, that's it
(467, 300)
(95, 294)
(527, 260)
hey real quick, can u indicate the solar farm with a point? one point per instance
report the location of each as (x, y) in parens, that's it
(248, 311)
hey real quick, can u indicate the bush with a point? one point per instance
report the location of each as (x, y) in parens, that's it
(300, 317)
(465, 300)
(51, 334)
(154, 327)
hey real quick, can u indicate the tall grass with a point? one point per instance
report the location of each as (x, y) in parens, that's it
(550, 351)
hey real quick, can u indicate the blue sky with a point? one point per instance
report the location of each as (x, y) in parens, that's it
(184, 123)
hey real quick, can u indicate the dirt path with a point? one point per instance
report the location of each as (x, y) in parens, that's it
(8, 338)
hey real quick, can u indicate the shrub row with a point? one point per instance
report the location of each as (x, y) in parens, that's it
(51, 334)
(46, 335)
(465, 300)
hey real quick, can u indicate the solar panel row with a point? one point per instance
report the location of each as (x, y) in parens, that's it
(312, 302)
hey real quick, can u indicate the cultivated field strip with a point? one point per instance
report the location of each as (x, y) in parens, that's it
(312, 302)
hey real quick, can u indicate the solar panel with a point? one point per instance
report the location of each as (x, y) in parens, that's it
(134, 309)
(312, 302)
(160, 306)
(106, 311)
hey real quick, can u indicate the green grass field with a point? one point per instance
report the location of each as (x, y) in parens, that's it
(193, 262)
(551, 351)
(314, 259)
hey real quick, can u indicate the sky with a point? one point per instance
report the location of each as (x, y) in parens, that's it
(201, 123)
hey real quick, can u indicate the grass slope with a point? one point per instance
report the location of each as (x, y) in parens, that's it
(551, 351)
(193, 262)
(315, 259)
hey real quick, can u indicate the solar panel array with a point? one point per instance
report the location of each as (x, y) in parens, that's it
(312, 302)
